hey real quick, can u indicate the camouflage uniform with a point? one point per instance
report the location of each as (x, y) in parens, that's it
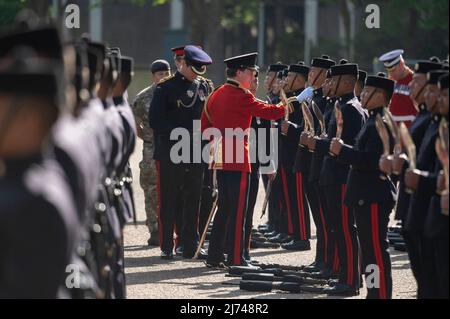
(148, 176)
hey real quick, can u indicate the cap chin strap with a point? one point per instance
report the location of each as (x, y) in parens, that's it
(338, 84)
(420, 92)
(317, 77)
(370, 98)
(197, 71)
(293, 81)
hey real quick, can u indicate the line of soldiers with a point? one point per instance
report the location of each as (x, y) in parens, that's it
(66, 134)
(327, 119)
(345, 175)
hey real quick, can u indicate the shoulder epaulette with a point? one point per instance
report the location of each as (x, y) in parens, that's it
(167, 78)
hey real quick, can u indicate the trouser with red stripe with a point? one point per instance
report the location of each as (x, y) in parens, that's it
(230, 218)
(179, 187)
(372, 223)
(342, 222)
(253, 194)
(318, 212)
(296, 204)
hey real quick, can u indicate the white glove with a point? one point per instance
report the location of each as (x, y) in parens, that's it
(306, 94)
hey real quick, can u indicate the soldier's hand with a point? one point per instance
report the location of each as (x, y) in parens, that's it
(284, 127)
(444, 202)
(398, 162)
(440, 185)
(385, 164)
(304, 138)
(412, 178)
(336, 146)
(312, 142)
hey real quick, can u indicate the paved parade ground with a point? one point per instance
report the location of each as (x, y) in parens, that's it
(150, 277)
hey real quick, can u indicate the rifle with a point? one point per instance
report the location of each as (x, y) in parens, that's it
(320, 118)
(384, 136)
(442, 148)
(339, 123)
(264, 286)
(410, 149)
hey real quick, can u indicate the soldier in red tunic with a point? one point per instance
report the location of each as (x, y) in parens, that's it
(402, 106)
(231, 108)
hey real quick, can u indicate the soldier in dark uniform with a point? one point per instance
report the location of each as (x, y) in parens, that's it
(317, 77)
(294, 190)
(436, 223)
(229, 107)
(370, 194)
(270, 83)
(177, 102)
(334, 176)
(420, 199)
(33, 214)
(332, 261)
(398, 163)
(277, 210)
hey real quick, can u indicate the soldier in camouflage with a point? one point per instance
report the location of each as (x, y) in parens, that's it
(148, 177)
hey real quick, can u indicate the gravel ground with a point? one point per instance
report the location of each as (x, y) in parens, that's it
(149, 277)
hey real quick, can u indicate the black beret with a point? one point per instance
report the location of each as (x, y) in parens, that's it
(44, 41)
(423, 67)
(277, 67)
(323, 62)
(127, 64)
(299, 68)
(160, 65)
(380, 81)
(27, 74)
(242, 61)
(433, 76)
(344, 68)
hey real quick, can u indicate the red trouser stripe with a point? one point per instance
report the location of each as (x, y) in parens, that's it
(348, 240)
(301, 206)
(325, 235)
(286, 198)
(239, 220)
(377, 249)
(336, 258)
(158, 210)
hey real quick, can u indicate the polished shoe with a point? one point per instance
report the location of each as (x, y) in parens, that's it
(401, 247)
(314, 267)
(279, 239)
(297, 245)
(323, 274)
(264, 227)
(339, 289)
(166, 255)
(256, 244)
(179, 251)
(270, 234)
(259, 239)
